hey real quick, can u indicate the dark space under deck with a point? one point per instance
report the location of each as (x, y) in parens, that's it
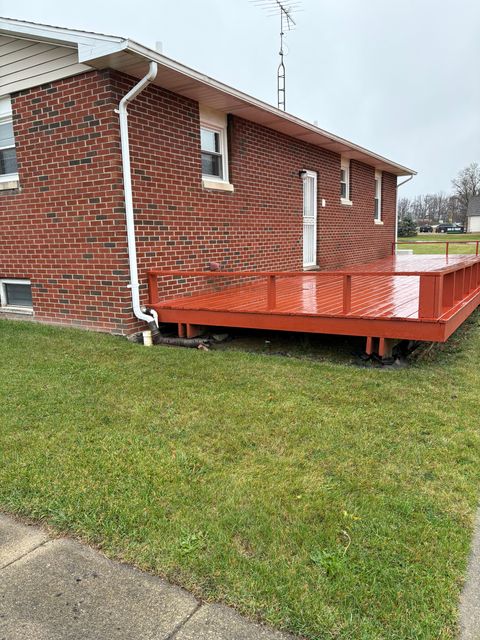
(421, 297)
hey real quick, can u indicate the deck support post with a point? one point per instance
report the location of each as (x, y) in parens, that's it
(194, 330)
(385, 347)
(369, 347)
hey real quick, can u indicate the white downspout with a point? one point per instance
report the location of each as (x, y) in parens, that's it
(127, 187)
(396, 210)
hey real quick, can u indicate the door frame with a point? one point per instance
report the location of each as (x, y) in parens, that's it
(308, 173)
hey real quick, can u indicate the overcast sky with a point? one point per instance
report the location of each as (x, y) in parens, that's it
(400, 78)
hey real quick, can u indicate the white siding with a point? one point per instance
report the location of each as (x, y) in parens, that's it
(474, 224)
(26, 63)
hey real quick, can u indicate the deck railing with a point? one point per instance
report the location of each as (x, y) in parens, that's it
(446, 244)
(439, 290)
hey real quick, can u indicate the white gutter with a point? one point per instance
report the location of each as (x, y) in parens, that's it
(127, 187)
(396, 210)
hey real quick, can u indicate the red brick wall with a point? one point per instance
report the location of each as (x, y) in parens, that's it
(65, 228)
(66, 231)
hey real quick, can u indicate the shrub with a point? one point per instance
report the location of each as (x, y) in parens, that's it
(407, 228)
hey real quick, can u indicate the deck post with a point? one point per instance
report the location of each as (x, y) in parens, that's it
(385, 347)
(459, 276)
(369, 346)
(467, 281)
(271, 293)
(449, 290)
(347, 294)
(476, 250)
(476, 274)
(430, 296)
(152, 288)
(446, 249)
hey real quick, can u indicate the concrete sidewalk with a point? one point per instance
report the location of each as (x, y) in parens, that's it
(470, 598)
(58, 589)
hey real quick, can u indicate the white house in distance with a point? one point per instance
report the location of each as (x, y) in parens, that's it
(473, 215)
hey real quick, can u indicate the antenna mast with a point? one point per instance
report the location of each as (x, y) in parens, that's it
(283, 8)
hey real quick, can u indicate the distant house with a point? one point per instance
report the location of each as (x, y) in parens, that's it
(210, 175)
(473, 215)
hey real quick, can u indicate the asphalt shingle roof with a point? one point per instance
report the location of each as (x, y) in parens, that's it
(473, 206)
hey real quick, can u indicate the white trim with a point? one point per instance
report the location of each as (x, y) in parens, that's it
(9, 181)
(345, 167)
(4, 306)
(6, 117)
(222, 136)
(346, 202)
(306, 173)
(378, 196)
(219, 185)
(5, 108)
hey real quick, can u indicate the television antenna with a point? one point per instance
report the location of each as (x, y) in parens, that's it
(284, 9)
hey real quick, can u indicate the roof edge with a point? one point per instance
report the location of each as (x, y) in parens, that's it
(92, 46)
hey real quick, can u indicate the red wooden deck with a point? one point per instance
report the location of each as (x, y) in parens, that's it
(421, 297)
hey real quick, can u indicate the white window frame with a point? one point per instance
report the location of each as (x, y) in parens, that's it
(345, 166)
(4, 306)
(6, 116)
(377, 215)
(222, 139)
(216, 121)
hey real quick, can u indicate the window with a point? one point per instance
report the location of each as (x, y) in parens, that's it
(8, 156)
(212, 153)
(345, 181)
(214, 149)
(16, 295)
(378, 196)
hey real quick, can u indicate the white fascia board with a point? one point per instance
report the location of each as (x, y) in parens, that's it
(89, 45)
(12, 27)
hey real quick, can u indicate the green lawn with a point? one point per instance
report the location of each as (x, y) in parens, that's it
(327, 499)
(442, 237)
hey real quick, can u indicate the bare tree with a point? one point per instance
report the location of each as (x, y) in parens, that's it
(441, 207)
(403, 208)
(467, 184)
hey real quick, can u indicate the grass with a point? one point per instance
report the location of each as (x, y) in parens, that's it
(326, 499)
(441, 237)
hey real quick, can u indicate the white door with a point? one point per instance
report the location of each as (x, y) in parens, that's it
(310, 219)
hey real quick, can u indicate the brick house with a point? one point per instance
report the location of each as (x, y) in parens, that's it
(216, 176)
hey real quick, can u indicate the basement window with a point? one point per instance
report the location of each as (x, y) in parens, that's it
(8, 155)
(345, 182)
(378, 197)
(16, 295)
